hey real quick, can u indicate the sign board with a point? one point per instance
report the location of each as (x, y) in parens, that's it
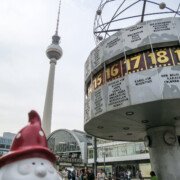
(176, 22)
(87, 109)
(113, 46)
(87, 67)
(70, 160)
(161, 31)
(144, 86)
(96, 56)
(118, 95)
(136, 37)
(170, 82)
(98, 101)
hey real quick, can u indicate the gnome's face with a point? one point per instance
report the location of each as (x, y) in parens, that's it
(29, 169)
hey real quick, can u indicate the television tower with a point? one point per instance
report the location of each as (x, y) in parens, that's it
(54, 53)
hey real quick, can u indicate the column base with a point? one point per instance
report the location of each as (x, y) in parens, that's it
(164, 152)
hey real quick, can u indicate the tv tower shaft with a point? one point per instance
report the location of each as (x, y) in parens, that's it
(54, 53)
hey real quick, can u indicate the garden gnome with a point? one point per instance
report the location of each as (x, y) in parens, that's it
(29, 158)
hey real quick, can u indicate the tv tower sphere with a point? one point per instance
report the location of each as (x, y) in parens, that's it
(54, 51)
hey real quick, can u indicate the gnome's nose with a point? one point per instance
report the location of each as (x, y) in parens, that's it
(40, 171)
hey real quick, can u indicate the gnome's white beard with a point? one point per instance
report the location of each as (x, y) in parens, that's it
(29, 169)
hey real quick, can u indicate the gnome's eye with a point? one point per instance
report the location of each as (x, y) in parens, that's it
(33, 163)
(42, 163)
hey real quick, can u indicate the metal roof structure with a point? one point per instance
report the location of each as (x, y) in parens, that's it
(122, 13)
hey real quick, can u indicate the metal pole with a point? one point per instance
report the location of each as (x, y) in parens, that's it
(95, 156)
(144, 5)
(104, 163)
(177, 10)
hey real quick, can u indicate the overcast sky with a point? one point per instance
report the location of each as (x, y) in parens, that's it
(26, 27)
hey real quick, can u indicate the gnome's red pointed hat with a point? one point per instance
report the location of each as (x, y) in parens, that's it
(30, 142)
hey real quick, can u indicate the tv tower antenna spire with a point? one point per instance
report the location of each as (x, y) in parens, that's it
(57, 25)
(54, 53)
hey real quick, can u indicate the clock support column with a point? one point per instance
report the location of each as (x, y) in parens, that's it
(164, 151)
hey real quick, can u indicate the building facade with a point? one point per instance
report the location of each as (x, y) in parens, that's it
(116, 157)
(70, 147)
(74, 148)
(5, 142)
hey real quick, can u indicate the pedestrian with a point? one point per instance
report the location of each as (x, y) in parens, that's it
(125, 175)
(69, 175)
(140, 175)
(91, 175)
(153, 176)
(101, 175)
(80, 175)
(73, 174)
(113, 175)
(60, 173)
(122, 175)
(64, 174)
(129, 174)
(87, 174)
(137, 175)
(109, 176)
(76, 174)
(83, 175)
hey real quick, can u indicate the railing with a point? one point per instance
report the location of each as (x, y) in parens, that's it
(133, 178)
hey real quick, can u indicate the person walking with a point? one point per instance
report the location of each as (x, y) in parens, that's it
(87, 174)
(109, 176)
(74, 174)
(64, 174)
(129, 174)
(91, 175)
(140, 175)
(121, 174)
(60, 173)
(83, 175)
(125, 175)
(101, 175)
(137, 175)
(153, 176)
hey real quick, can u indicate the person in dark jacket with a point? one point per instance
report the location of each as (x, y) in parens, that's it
(153, 176)
(73, 175)
(109, 176)
(91, 175)
(83, 175)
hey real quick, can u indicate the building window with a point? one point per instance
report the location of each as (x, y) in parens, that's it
(99, 153)
(140, 148)
(2, 145)
(122, 150)
(115, 151)
(108, 151)
(130, 149)
(90, 153)
(7, 146)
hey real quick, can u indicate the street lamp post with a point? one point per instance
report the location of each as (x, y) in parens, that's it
(104, 156)
(95, 155)
(104, 160)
